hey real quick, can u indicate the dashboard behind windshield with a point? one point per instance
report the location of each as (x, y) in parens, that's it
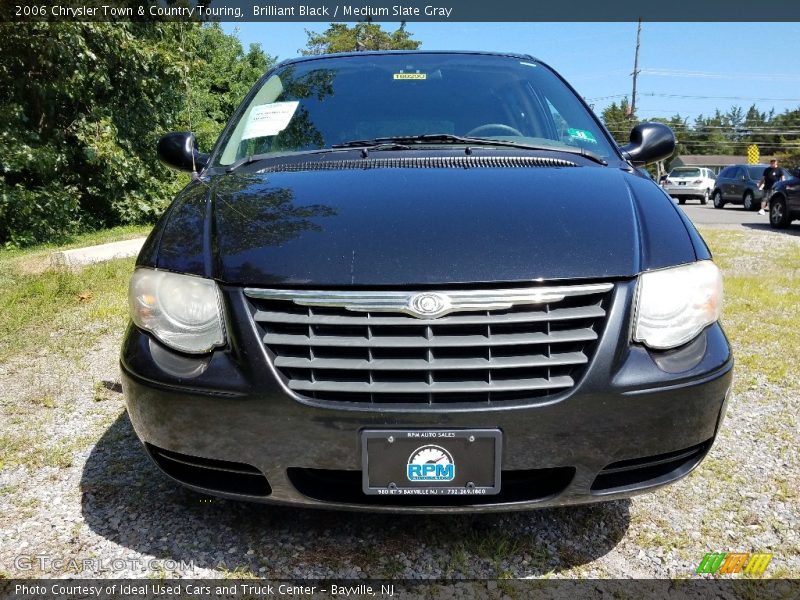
(316, 104)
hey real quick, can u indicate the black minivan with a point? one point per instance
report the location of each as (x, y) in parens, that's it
(423, 281)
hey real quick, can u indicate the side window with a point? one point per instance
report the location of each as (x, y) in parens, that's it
(726, 172)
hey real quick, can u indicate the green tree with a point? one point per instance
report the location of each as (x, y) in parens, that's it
(713, 135)
(682, 133)
(788, 143)
(219, 73)
(340, 37)
(82, 106)
(619, 120)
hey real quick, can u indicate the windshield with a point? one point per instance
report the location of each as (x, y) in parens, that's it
(317, 104)
(685, 173)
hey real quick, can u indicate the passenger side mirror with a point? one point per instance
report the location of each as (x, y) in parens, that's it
(649, 142)
(179, 151)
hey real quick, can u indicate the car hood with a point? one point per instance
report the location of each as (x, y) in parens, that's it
(423, 227)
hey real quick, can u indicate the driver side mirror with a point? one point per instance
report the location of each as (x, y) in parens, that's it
(649, 142)
(179, 151)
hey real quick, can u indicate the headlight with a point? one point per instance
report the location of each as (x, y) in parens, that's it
(182, 311)
(674, 305)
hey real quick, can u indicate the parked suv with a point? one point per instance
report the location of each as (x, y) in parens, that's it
(684, 183)
(784, 204)
(738, 184)
(423, 281)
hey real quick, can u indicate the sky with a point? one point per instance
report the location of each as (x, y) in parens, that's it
(686, 68)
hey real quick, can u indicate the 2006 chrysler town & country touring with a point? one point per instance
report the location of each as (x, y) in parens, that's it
(423, 281)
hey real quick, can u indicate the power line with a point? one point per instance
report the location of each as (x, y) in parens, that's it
(711, 75)
(740, 130)
(606, 97)
(658, 95)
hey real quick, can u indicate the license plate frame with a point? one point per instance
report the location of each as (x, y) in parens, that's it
(388, 466)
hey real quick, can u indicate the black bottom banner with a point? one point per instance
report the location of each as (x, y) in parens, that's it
(502, 589)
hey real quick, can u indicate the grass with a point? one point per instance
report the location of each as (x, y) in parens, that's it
(115, 234)
(30, 448)
(760, 309)
(59, 310)
(57, 313)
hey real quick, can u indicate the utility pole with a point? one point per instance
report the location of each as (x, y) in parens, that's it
(636, 67)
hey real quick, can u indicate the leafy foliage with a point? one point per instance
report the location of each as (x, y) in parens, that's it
(619, 120)
(340, 37)
(723, 133)
(82, 106)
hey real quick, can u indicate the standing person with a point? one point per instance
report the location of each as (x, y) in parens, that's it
(772, 175)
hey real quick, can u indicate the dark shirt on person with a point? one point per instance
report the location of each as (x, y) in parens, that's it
(772, 175)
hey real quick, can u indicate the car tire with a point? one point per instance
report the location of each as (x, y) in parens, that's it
(778, 214)
(681, 200)
(704, 199)
(718, 201)
(750, 201)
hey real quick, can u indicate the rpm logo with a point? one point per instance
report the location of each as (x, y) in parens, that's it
(431, 463)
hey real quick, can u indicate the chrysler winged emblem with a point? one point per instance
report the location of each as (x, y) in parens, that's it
(428, 304)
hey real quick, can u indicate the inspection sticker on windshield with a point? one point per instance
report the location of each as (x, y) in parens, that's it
(412, 76)
(269, 119)
(581, 135)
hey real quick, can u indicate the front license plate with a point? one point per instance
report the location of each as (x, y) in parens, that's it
(431, 462)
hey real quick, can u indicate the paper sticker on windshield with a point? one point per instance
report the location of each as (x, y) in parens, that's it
(581, 135)
(413, 76)
(269, 119)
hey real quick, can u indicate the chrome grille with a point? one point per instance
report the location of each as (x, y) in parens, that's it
(366, 347)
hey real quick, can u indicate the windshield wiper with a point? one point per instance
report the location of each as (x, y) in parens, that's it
(246, 160)
(374, 144)
(362, 145)
(403, 142)
(447, 138)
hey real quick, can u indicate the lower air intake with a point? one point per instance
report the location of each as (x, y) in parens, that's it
(345, 487)
(214, 475)
(648, 471)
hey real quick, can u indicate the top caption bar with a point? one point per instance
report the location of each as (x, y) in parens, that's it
(240, 11)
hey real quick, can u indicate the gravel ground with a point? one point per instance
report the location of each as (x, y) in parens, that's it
(86, 491)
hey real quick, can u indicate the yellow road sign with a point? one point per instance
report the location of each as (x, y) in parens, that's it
(753, 155)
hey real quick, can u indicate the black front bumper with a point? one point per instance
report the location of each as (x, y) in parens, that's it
(227, 425)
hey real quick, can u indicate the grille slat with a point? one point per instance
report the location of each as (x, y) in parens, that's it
(488, 346)
(443, 387)
(444, 341)
(401, 364)
(581, 312)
